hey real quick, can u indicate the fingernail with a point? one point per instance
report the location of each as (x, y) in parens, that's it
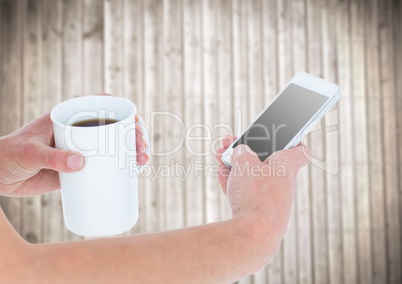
(75, 162)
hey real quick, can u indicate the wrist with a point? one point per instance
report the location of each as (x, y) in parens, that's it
(262, 239)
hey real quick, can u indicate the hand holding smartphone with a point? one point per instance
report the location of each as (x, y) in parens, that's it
(289, 117)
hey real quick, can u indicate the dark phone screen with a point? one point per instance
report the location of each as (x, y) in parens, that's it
(284, 118)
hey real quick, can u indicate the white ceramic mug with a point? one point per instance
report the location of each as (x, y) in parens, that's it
(102, 198)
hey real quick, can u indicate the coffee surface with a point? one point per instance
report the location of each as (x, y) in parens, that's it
(94, 122)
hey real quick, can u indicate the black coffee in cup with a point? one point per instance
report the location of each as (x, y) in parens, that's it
(94, 122)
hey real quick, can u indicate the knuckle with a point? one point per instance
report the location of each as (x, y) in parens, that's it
(55, 159)
(28, 148)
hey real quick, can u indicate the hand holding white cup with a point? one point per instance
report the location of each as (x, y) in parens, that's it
(102, 198)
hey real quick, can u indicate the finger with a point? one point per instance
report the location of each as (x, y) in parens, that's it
(228, 140)
(224, 170)
(140, 144)
(141, 129)
(58, 160)
(142, 159)
(48, 179)
(306, 150)
(218, 155)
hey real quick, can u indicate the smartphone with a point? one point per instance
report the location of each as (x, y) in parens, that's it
(289, 117)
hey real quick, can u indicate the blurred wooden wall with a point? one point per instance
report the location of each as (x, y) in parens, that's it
(207, 61)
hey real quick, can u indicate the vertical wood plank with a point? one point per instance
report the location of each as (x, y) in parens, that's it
(397, 23)
(227, 60)
(160, 104)
(318, 184)
(225, 83)
(32, 100)
(72, 49)
(240, 73)
(92, 48)
(2, 105)
(255, 87)
(193, 108)
(302, 202)
(173, 71)
(270, 50)
(239, 59)
(270, 80)
(51, 81)
(113, 47)
(343, 46)
(360, 143)
(153, 86)
(132, 14)
(275, 274)
(387, 90)
(286, 60)
(72, 61)
(254, 82)
(92, 44)
(132, 31)
(211, 111)
(375, 148)
(331, 132)
(11, 88)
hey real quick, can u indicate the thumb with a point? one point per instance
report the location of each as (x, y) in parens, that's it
(60, 160)
(294, 158)
(243, 154)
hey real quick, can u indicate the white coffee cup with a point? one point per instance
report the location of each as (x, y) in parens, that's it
(102, 198)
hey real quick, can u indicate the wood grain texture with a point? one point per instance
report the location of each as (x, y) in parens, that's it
(210, 115)
(174, 216)
(360, 145)
(270, 80)
(216, 64)
(51, 90)
(92, 47)
(316, 143)
(375, 145)
(32, 103)
(225, 83)
(285, 73)
(2, 105)
(397, 22)
(390, 150)
(302, 205)
(347, 177)
(152, 88)
(332, 139)
(11, 87)
(113, 47)
(193, 110)
(72, 64)
(255, 73)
